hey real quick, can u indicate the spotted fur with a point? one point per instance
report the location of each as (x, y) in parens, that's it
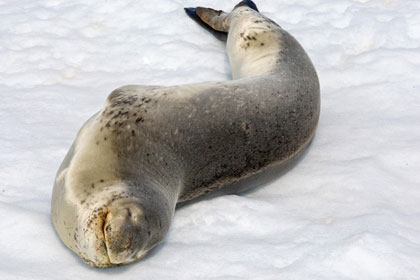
(152, 147)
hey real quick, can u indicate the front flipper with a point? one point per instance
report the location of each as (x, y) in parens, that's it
(198, 14)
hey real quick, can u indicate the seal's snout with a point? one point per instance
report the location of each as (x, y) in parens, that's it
(123, 233)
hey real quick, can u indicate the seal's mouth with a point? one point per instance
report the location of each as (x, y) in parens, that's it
(91, 239)
(102, 228)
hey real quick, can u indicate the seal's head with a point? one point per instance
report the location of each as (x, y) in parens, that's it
(126, 231)
(122, 227)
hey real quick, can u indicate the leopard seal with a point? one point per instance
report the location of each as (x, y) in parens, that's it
(151, 147)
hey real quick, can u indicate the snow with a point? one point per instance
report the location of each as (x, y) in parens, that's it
(350, 208)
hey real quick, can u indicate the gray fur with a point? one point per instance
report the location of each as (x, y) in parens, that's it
(152, 147)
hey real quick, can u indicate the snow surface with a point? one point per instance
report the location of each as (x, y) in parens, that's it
(350, 209)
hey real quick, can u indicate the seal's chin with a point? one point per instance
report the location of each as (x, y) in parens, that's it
(126, 232)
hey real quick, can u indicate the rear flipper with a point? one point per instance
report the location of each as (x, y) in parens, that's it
(248, 3)
(193, 14)
(216, 22)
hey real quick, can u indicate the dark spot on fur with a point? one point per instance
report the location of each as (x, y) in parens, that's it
(122, 100)
(133, 133)
(92, 186)
(102, 180)
(262, 44)
(146, 99)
